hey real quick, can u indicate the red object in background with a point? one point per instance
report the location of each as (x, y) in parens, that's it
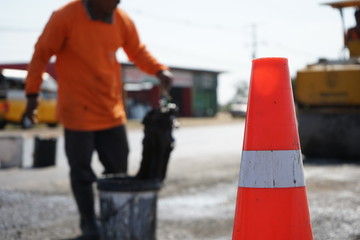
(4, 107)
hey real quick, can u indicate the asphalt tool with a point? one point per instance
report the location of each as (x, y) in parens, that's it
(271, 199)
(158, 141)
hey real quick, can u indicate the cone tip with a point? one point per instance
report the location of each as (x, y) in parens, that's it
(270, 59)
(270, 118)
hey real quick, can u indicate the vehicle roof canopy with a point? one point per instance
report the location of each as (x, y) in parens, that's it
(344, 4)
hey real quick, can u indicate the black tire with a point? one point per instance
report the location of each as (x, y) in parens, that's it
(329, 135)
(2, 124)
(52, 125)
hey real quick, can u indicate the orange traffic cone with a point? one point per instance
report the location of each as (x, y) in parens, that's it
(271, 199)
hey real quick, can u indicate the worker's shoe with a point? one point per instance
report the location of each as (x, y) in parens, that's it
(90, 230)
(88, 237)
(83, 237)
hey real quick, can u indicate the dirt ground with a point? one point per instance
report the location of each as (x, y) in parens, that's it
(36, 203)
(197, 201)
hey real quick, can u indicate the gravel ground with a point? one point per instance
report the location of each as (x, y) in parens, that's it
(197, 201)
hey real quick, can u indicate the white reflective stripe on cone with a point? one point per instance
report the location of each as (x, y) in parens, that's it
(271, 169)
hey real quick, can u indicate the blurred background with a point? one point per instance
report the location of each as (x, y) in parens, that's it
(217, 36)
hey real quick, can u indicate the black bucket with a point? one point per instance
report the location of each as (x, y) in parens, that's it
(44, 152)
(128, 208)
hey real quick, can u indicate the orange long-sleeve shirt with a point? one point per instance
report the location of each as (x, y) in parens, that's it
(88, 74)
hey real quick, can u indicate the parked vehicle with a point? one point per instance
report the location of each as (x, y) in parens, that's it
(238, 108)
(13, 100)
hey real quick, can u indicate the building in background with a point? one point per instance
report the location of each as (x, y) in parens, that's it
(194, 90)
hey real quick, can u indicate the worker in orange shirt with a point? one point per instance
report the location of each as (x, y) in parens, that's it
(353, 34)
(84, 35)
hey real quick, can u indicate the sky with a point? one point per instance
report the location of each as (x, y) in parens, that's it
(206, 34)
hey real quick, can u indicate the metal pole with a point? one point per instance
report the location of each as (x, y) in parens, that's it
(254, 41)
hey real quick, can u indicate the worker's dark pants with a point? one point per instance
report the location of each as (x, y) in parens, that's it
(112, 148)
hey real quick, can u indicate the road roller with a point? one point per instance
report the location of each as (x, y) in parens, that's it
(327, 97)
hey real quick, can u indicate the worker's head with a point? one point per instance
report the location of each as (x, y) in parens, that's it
(105, 6)
(357, 16)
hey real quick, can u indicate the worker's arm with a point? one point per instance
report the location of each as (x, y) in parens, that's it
(28, 118)
(49, 43)
(346, 38)
(166, 79)
(137, 53)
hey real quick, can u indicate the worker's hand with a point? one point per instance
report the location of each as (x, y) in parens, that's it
(166, 80)
(28, 119)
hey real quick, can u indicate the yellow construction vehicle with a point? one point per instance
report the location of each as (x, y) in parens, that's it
(327, 96)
